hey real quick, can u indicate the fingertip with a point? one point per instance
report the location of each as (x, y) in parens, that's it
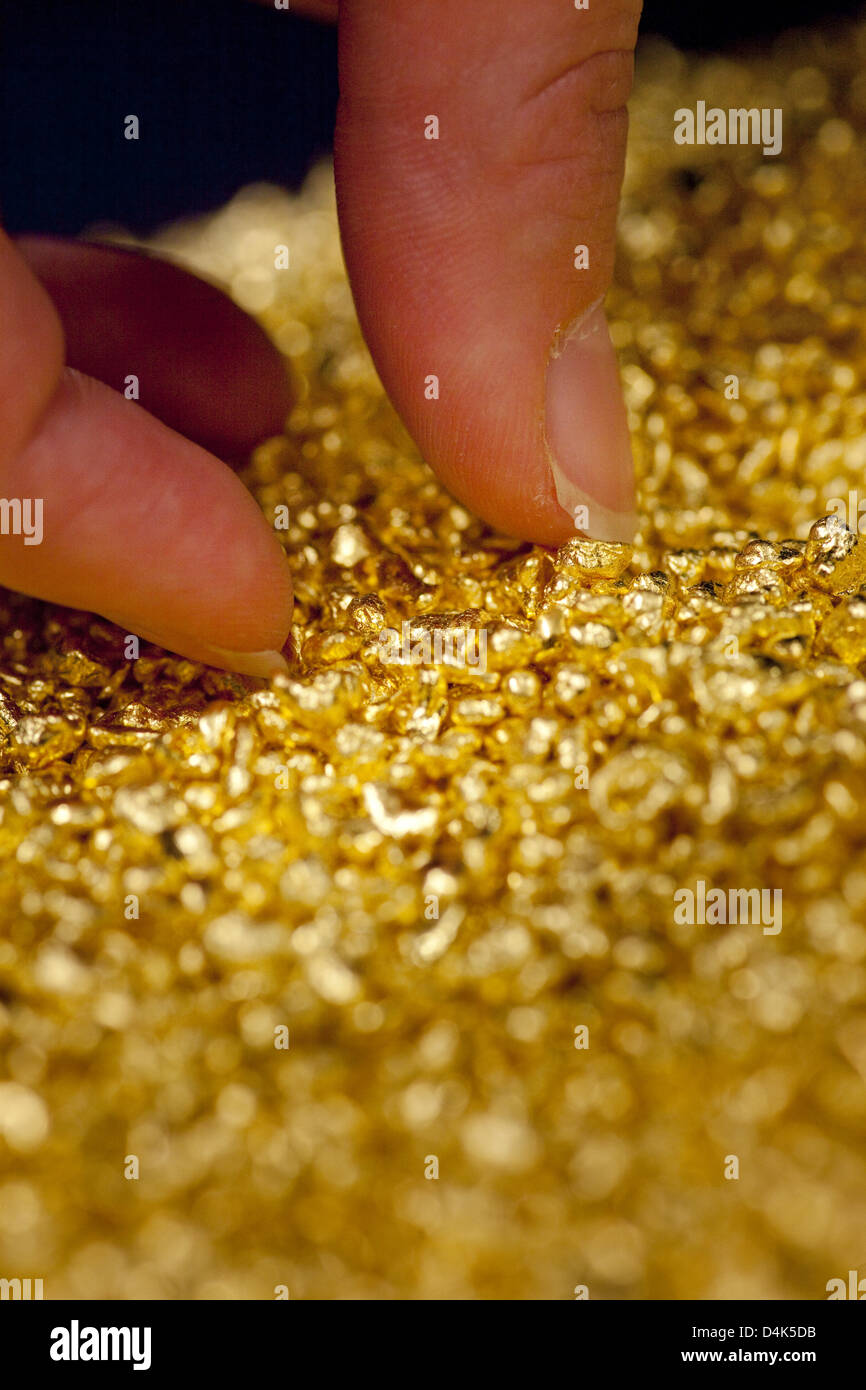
(474, 234)
(145, 528)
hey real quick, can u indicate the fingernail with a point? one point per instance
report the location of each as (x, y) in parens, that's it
(587, 432)
(262, 664)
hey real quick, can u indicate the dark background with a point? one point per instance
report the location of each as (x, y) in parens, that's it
(227, 93)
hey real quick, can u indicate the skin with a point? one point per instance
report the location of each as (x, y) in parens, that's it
(460, 258)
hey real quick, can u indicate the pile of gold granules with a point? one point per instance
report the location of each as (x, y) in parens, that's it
(221, 964)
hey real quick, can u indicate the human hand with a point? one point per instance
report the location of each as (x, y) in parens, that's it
(461, 255)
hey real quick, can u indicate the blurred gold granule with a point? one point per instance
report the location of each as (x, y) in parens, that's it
(288, 847)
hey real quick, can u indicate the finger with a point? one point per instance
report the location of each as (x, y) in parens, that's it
(31, 350)
(147, 529)
(484, 322)
(142, 325)
(108, 510)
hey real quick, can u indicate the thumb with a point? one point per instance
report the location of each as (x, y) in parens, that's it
(479, 154)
